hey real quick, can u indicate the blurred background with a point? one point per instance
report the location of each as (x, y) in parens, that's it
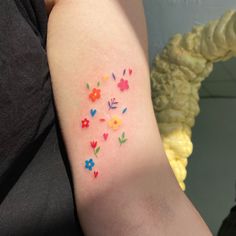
(212, 166)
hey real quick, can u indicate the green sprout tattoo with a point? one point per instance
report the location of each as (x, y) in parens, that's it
(122, 139)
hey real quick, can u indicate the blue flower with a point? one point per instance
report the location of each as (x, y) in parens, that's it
(89, 164)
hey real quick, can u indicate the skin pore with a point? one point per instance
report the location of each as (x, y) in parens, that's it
(124, 187)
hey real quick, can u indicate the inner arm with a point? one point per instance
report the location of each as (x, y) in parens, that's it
(123, 184)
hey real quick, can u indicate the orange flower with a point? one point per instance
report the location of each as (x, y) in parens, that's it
(95, 94)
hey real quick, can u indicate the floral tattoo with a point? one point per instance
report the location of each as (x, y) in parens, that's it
(94, 147)
(109, 120)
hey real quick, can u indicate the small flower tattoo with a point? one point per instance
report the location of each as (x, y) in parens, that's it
(85, 123)
(96, 149)
(105, 77)
(95, 94)
(115, 122)
(123, 84)
(89, 164)
(93, 144)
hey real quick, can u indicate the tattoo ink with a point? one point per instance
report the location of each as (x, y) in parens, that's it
(89, 164)
(115, 122)
(85, 123)
(93, 112)
(95, 174)
(122, 139)
(124, 110)
(105, 136)
(95, 94)
(112, 104)
(123, 85)
(96, 149)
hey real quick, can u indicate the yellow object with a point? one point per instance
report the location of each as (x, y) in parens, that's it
(115, 122)
(176, 78)
(105, 77)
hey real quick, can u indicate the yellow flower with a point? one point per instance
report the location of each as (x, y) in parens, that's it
(115, 122)
(105, 77)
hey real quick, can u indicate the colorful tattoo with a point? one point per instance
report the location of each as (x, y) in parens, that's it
(94, 147)
(122, 139)
(121, 80)
(89, 164)
(95, 174)
(113, 76)
(95, 94)
(93, 144)
(93, 112)
(124, 72)
(124, 110)
(115, 122)
(130, 71)
(105, 77)
(112, 104)
(123, 85)
(105, 136)
(87, 86)
(85, 123)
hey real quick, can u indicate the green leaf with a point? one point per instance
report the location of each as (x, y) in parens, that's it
(124, 140)
(123, 135)
(120, 140)
(87, 85)
(98, 83)
(97, 150)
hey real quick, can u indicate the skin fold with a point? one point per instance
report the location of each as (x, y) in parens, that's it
(135, 192)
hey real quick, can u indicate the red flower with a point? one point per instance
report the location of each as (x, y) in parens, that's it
(123, 84)
(85, 123)
(95, 94)
(93, 144)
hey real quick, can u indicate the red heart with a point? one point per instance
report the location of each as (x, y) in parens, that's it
(130, 71)
(95, 174)
(105, 136)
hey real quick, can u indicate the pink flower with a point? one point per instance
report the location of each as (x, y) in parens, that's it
(123, 84)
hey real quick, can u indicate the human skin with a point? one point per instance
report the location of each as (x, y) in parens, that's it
(135, 191)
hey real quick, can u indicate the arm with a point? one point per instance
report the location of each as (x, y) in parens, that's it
(131, 189)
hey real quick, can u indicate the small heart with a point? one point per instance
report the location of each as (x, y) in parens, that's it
(130, 71)
(95, 174)
(93, 112)
(105, 136)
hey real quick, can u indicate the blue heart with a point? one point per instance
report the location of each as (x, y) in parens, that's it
(93, 112)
